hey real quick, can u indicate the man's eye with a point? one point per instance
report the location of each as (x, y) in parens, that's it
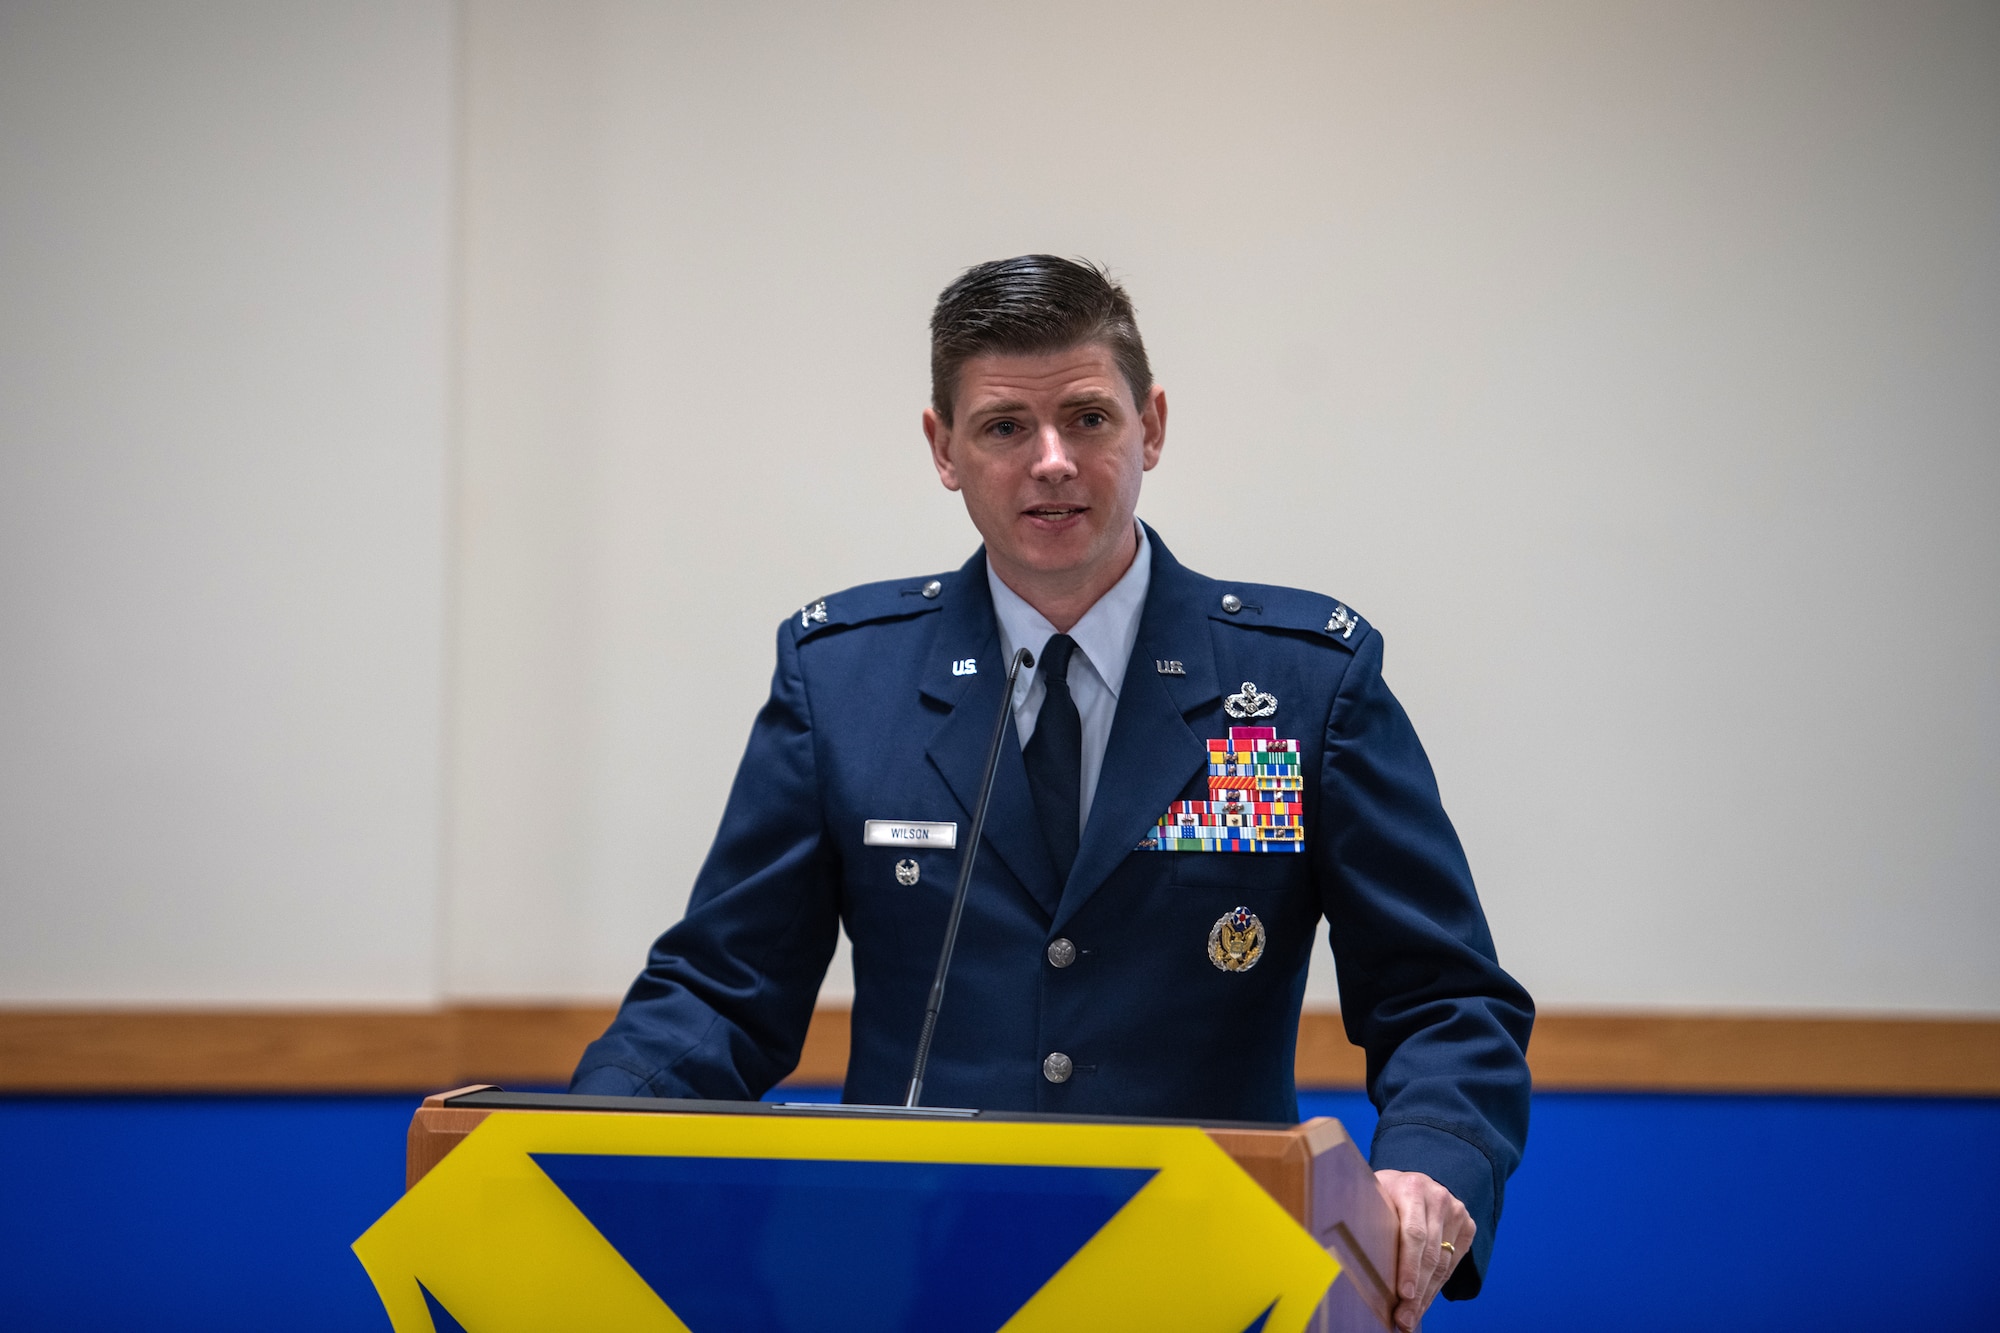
(1004, 428)
(1091, 420)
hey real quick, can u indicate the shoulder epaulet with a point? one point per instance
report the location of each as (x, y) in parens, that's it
(1267, 606)
(867, 603)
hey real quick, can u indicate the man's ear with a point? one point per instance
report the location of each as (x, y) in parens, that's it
(1153, 426)
(939, 436)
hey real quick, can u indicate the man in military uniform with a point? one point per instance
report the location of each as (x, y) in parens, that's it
(1198, 771)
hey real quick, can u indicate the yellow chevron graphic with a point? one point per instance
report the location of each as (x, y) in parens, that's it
(502, 1248)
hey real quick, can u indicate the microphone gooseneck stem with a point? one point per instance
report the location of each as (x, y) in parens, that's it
(1021, 658)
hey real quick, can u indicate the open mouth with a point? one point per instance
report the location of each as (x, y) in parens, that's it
(1055, 513)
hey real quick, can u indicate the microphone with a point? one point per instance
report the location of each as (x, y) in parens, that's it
(1021, 658)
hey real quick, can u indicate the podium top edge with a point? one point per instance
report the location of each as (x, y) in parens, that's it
(494, 1099)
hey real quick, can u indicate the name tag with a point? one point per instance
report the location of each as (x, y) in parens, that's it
(902, 833)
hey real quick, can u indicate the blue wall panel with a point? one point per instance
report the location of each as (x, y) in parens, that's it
(1632, 1213)
(1644, 1213)
(211, 1213)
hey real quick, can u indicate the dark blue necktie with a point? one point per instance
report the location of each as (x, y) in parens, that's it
(1055, 757)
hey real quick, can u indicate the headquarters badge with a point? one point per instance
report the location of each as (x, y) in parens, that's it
(1236, 942)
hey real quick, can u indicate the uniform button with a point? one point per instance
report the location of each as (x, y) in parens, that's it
(1231, 603)
(1057, 1068)
(1061, 953)
(933, 588)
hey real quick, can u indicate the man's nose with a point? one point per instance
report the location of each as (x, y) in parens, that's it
(1052, 460)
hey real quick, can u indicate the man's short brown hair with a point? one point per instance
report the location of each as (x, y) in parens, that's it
(1026, 306)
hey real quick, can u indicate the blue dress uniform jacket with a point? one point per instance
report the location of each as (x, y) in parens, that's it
(867, 720)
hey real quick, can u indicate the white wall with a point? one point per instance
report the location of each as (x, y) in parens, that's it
(224, 348)
(1630, 365)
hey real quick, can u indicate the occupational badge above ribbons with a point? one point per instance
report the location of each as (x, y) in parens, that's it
(1251, 703)
(1254, 787)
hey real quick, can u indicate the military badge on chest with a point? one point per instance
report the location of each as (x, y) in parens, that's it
(1254, 790)
(1236, 942)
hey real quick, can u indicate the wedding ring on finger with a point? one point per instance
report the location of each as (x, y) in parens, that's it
(1447, 1247)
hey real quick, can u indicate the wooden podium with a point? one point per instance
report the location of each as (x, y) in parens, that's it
(1313, 1171)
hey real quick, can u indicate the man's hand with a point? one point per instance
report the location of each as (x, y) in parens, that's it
(1429, 1217)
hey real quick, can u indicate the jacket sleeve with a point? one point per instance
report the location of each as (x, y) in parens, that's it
(722, 1007)
(1421, 990)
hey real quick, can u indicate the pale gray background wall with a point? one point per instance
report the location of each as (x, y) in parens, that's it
(224, 349)
(1630, 365)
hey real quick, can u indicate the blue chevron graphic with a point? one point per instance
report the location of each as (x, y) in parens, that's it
(772, 1245)
(441, 1320)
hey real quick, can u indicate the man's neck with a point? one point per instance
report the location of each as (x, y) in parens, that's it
(1065, 598)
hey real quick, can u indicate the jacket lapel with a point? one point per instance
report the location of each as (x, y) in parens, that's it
(967, 628)
(1152, 753)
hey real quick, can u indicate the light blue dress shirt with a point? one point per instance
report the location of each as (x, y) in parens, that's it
(1104, 640)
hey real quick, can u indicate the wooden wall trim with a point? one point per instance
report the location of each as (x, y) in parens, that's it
(260, 1051)
(529, 1045)
(1759, 1053)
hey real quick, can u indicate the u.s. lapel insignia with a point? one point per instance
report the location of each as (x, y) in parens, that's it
(1250, 703)
(907, 872)
(1236, 941)
(814, 614)
(1341, 622)
(1169, 667)
(1255, 786)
